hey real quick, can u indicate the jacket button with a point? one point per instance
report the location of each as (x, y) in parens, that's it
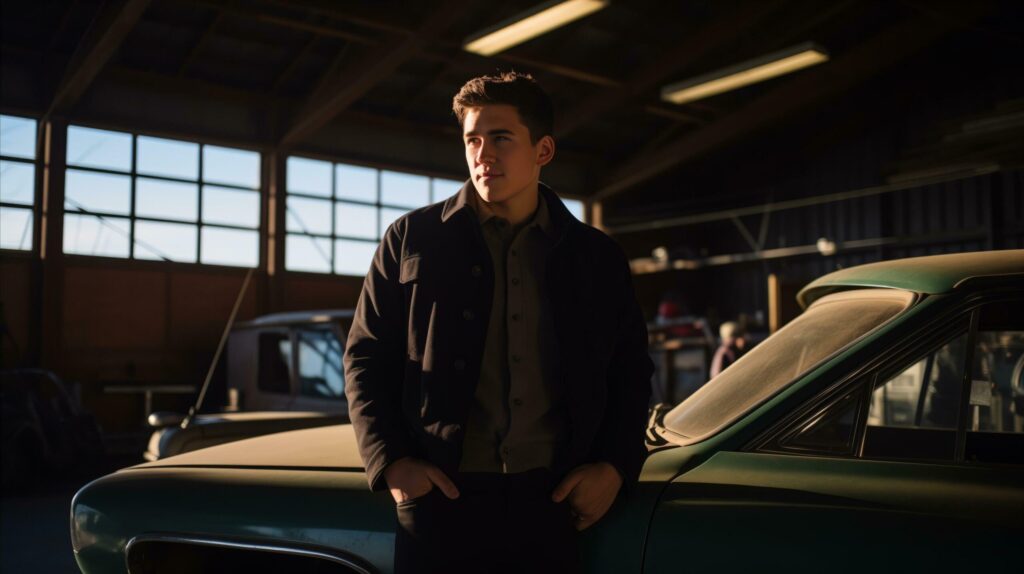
(515, 358)
(467, 314)
(476, 271)
(517, 402)
(515, 281)
(460, 364)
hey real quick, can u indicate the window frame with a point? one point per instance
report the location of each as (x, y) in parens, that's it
(924, 340)
(133, 174)
(36, 207)
(334, 200)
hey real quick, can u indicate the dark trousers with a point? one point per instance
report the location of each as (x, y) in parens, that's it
(499, 523)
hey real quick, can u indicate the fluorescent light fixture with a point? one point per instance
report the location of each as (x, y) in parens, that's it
(749, 72)
(530, 24)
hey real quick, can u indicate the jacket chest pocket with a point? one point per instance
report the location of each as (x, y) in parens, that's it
(421, 305)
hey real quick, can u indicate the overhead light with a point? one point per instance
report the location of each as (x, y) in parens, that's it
(749, 72)
(530, 24)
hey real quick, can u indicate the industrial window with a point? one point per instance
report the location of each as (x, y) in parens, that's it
(140, 197)
(336, 213)
(17, 182)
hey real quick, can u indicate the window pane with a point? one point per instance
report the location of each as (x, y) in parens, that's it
(830, 431)
(18, 137)
(231, 206)
(356, 220)
(275, 358)
(304, 253)
(230, 247)
(403, 189)
(99, 192)
(320, 371)
(353, 257)
(997, 382)
(309, 215)
(169, 158)
(231, 166)
(99, 148)
(15, 228)
(166, 199)
(17, 182)
(309, 176)
(445, 188)
(575, 207)
(95, 235)
(905, 401)
(355, 182)
(388, 216)
(167, 241)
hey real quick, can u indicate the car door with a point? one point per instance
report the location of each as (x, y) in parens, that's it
(913, 465)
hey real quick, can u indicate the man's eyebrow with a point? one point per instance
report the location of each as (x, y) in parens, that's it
(494, 132)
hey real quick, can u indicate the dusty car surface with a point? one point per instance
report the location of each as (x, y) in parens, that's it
(880, 430)
(284, 372)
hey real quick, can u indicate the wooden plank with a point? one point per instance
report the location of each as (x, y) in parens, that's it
(101, 41)
(325, 104)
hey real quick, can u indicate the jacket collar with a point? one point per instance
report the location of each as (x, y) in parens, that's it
(561, 219)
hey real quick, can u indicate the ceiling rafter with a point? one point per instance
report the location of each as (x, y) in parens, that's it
(200, 43)
(806, 89)
(333, 97)
(668, 63)
(103, 38)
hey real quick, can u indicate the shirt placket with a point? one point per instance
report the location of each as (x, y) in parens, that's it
(514, 312)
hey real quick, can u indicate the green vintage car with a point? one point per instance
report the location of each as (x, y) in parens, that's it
(882, 430)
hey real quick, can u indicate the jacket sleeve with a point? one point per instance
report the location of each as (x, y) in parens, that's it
(620, 438)
(374, 362)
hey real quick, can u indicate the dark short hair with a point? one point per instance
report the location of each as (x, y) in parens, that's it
(514, 89)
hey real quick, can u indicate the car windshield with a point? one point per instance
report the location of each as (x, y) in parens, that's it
(830, 324)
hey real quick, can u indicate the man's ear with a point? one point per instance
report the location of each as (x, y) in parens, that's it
(545, 150)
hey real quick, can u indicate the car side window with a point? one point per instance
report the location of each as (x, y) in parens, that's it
(832, 430)
(275, 350)
(995, 414)
(320, 364)
(913, 413)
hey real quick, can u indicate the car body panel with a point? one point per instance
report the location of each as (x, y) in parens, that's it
(930, 275)
(860, 514)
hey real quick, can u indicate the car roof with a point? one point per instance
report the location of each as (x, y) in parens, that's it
(296, 318)
(932, 274)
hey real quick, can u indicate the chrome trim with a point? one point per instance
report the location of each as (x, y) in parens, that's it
(359, 568)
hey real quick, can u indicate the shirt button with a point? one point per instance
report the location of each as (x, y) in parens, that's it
(515, 316)
(476, 271)
(506, 451)
(460, 364)
(515, 281)
(517, 402)
(515, 358)
(467, 314)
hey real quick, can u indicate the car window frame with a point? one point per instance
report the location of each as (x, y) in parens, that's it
(933, 334)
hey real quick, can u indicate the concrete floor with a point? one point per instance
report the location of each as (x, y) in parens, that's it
(34, 521)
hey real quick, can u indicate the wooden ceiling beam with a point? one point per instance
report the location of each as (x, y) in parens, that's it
(808, 88)
(336, 96)
(101, 41)
(684, 54)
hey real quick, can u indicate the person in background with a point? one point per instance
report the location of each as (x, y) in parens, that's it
(732, 346)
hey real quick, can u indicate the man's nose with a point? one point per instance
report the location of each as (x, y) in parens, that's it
(485, 154)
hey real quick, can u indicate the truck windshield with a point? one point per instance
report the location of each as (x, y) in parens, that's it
(829, 325)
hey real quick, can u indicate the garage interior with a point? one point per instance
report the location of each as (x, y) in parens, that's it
(119, 269)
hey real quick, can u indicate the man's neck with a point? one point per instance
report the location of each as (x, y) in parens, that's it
(518, 209)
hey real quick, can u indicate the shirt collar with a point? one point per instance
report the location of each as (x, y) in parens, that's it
(541, 218)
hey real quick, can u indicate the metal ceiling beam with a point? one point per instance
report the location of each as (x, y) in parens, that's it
(101, 41)
(807, 89)
(717, 34)
(359, 79)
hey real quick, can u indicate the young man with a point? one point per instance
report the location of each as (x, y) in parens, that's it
(496, 369)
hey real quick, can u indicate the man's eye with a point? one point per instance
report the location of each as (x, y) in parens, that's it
(502, 138)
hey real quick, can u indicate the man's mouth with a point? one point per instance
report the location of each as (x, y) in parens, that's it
(486, 176)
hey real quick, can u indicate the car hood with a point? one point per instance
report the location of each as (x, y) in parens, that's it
(329, 447)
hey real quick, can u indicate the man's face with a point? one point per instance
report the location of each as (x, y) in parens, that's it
(501, 159)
